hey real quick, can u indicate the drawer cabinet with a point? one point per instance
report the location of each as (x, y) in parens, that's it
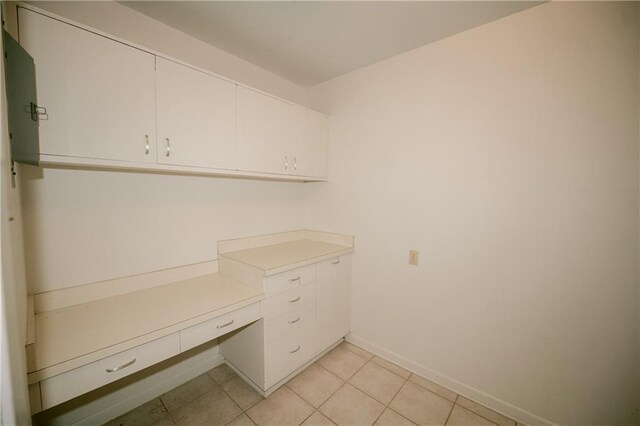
(288, 353)
(290, 300)
(288, 280)
(303, 317)
(209, 330)
(73, 383)
(307, 311)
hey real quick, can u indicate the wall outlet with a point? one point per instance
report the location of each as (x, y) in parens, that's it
(413, 257)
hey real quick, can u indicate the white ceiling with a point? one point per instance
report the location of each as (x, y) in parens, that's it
(309, 42)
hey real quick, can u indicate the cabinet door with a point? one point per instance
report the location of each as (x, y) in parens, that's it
(333, 300)
(312, 144)
(264, 133)
(99, 93)
(196, 117)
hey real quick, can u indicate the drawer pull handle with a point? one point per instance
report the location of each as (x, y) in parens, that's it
(225, 325)
(294, 279)
(294, 300)
(294, 321)
(120, 367)
(336, 262)
(295, 350)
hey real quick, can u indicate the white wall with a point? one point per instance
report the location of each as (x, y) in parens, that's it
(88, 226)
(508, 156)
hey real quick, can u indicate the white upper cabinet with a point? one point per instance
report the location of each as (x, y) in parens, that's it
(114, 105)
(196, 117)
(264, 133)
(99, 94)
(275, 136)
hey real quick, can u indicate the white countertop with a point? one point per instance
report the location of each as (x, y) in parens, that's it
(78, 334)
(275, 258)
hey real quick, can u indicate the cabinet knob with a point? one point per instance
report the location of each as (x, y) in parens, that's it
(146, 144)
(286, 162)
(336, 262)
(295, 163)
(294, 300)
(295, 350)
(168, 147)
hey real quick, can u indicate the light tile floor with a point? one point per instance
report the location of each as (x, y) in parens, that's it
(348, 386)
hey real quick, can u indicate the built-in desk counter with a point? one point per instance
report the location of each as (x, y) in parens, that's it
(80, 347)
(286, 296)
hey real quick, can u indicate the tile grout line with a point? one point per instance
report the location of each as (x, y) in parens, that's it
(451, 410)
(345, 381)
(481, 416)
(394, 395)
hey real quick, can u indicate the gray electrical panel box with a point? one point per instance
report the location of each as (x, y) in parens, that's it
(22, 108)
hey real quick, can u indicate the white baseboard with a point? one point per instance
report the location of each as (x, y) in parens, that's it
(498, 405)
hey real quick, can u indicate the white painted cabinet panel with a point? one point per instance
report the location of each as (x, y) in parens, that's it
(99, 93)
(264, 133)
(196, 117)
(333, 298)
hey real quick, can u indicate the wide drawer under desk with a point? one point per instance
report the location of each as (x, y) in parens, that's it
(84, 346)
(209, 330)
(73, 383)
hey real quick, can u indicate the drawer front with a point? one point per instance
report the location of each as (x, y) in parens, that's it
(91, 376)
(290, 322)
(290, 300)
(208, 330)
(289, 352)
(279, 283)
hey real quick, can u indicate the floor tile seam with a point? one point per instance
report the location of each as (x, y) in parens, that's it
(419, 385)
(396, 394)
(326, 369)
(376, 399)
(189, 401)
(388, 369)
(401, 415)
(232, 400)
(242, 414)
(354, 352)
(305, 400)
(439, 396)
(450, 412)
(327, 400)
(480, 415)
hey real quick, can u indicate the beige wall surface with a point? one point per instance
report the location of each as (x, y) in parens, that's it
(508, 156)
(87, 226)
